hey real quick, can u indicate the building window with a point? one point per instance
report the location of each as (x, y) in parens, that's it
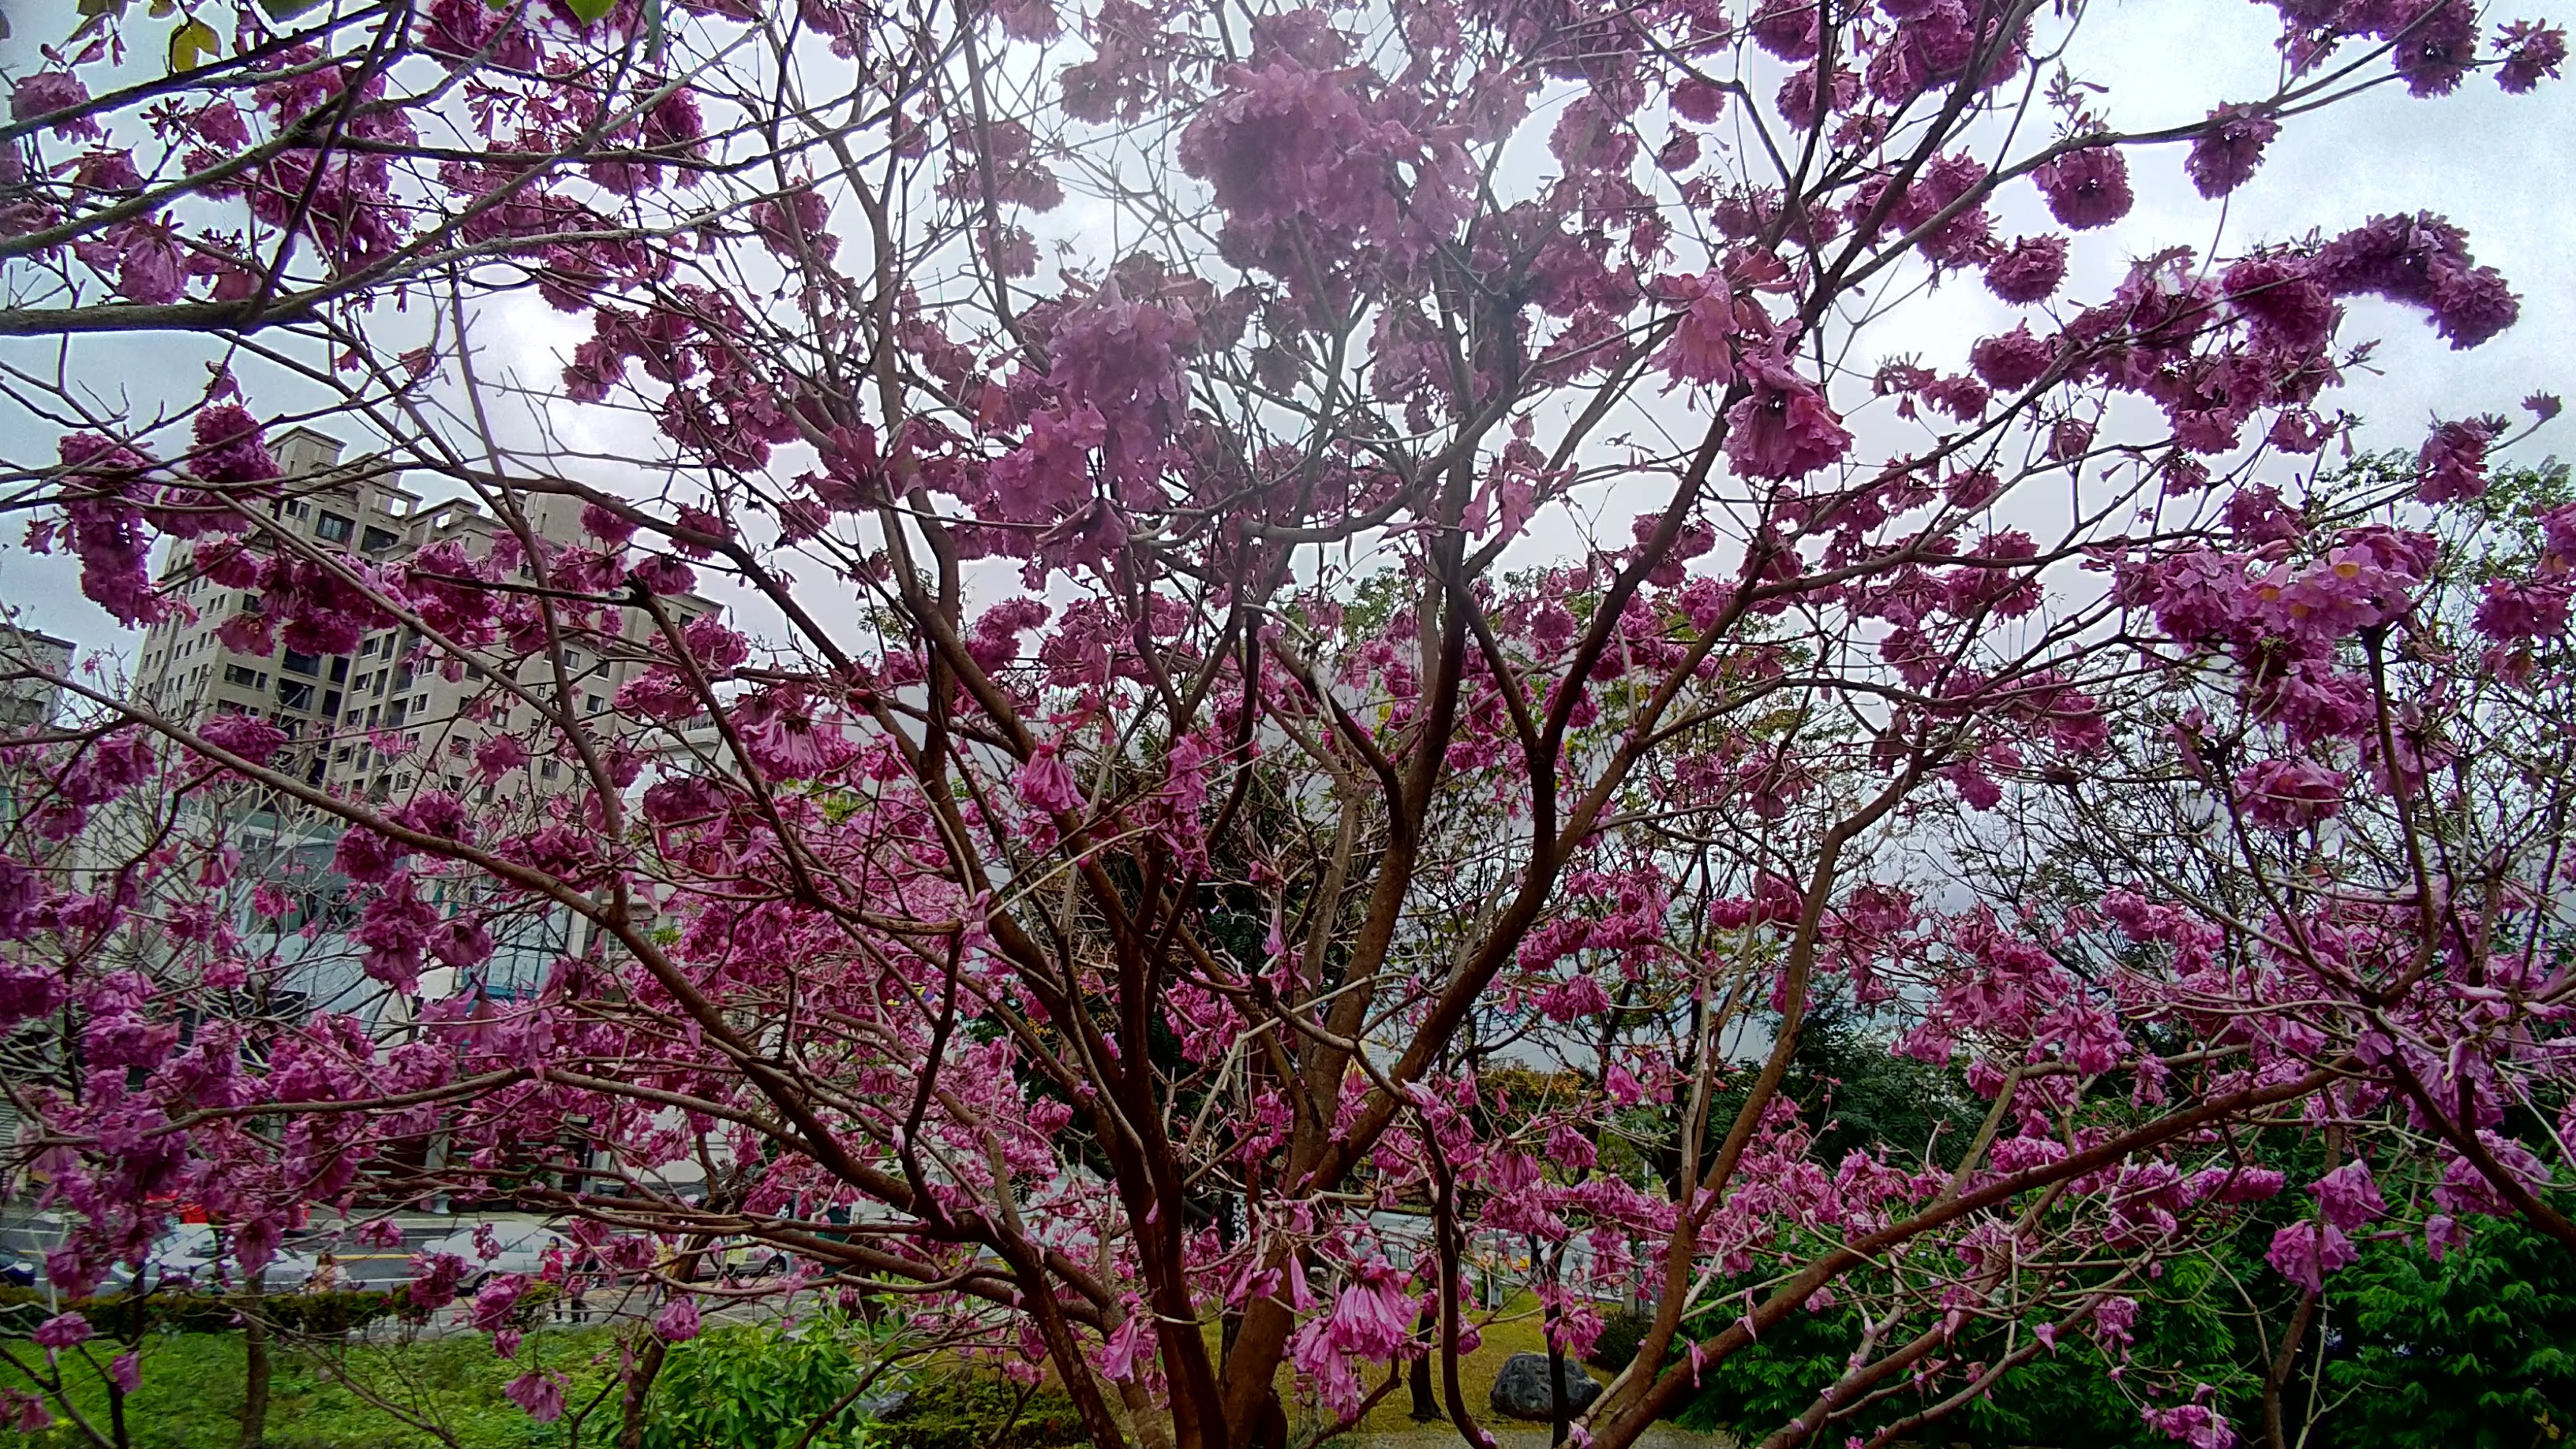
(235, 674)
(548, 769)
(594, 704)
(376, 540)
(308, 665)
(332, 528)
(295, 694)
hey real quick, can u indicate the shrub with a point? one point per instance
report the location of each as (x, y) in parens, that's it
(981, 1411)
(130, 1316)
(758, 1386)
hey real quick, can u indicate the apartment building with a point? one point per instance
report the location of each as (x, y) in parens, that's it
(389, 719)
(384, 719)
(29, 701)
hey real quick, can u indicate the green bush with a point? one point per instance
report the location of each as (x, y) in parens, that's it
(982, 1411)
(1622, 1333)
(756, 1386)
(2477, 1350)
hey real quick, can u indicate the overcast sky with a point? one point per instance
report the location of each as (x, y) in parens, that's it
(2503, 167)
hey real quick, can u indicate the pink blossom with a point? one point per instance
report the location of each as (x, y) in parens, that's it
(2087, 188)
(2115, 1319)
(2533, 52)
(1044, 783)
(2234, 1184)
(540, 1394)
(1702, 349)
(433, 1280)
(126, 1371)
(499, 755)
(1373, 1316)
(1578, 996)
(246, 735)
(2290, 795)
(678, 1320)
(151, 266)
(230, 448)
(1121, 1353)
(61, 1331)
(2305, 1252)
(1786, 28)
(2510, 612)
(2452, 464)
(24, 1412)
(2029, 270)
(2558, 534)
(1783, 428)
(2196, 1425)
(2012, 361)
(495, 1300)
(2286, 304)
(2225, 153)
(2442, 1234)
(2349, 1197)
(2466, 1188)
(606, 524)
(46, 92)
(2422, 261)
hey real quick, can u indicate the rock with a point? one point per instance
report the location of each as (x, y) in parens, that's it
(884, 1408)
(1521, 1390)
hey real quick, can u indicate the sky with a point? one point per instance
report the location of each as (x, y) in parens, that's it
(2503, 167)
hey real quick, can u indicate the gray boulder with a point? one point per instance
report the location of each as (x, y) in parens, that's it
(1521, 1389)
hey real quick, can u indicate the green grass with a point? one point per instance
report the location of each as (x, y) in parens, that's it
(191, 1396)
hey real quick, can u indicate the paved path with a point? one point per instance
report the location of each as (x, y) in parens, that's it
(1443, 1436)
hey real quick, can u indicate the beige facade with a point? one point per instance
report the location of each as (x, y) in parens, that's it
(390, 717)
(29, 703)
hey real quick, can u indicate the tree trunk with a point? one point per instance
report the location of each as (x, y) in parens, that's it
(1558, 1413)
(639, 1387)
(255, 1368)
(1425, 1406)
(2276, 1379)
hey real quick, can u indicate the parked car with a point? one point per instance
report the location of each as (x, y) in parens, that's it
(196, 1255)
(523, 1249)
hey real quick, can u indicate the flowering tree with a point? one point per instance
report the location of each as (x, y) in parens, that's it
(1436, 588)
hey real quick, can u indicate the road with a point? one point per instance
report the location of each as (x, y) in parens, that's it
(26, 1235)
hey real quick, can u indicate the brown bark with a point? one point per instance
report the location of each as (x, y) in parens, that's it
(256, 1369)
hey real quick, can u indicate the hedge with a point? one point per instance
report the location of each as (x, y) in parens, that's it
(129, 1316)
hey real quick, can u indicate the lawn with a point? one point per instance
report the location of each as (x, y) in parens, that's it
(191, 1395)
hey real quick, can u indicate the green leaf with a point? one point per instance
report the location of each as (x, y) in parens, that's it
(192, 45)
(590, 11)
